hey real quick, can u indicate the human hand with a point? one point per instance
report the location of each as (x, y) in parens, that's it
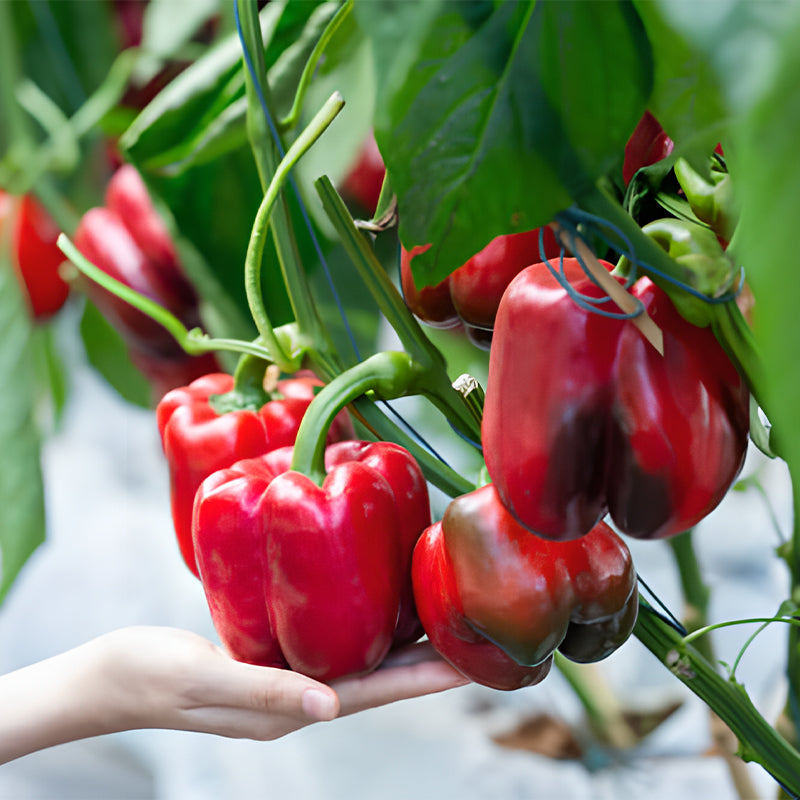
(152, 677)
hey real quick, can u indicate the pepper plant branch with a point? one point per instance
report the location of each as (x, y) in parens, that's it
(193, 342)
(293, 116)
(695, 592)
(255, 248)
(758, 740)
(436, 471)
(266, 153)
(438, 387)
(387, 375)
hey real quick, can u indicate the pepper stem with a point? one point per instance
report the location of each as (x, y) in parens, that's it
(386, 375)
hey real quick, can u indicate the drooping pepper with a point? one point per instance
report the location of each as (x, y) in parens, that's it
(199, 439)
(35, 254)
(313, 577)
(496, 600)
(583, 416)
(128, 240)
(471, 294)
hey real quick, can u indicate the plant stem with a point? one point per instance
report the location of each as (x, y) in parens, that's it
(696, 596)
(266, 153)
(255, 248)
(388, 375)
(793, 559)
(293, 117)
(695, 591)
(758, 740)
(438, 386)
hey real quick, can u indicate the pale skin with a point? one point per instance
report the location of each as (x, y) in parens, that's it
(153, 677)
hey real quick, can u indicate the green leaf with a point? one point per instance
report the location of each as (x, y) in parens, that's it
(22, 513)
(493, 117)
(201, 114)
(107, 353)
(687, 98)
(766, 174)
(51, 374)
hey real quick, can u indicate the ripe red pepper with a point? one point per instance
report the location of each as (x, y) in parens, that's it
(583, 416)
(647, 144)
(35, 254)
(472, 293)
(307, 576)
(496, 600)
(198, 439)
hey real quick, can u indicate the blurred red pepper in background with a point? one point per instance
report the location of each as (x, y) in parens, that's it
(130, 242)
(34, 253)
(363, 183)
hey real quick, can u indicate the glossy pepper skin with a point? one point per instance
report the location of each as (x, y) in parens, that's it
(472, 293)
(583, 416)
(497, 601)
(307, 576)
(199, 440)
(35, 254)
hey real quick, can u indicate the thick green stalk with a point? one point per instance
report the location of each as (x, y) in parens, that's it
(438, 386)
(759, 741)
(386, 375)
(439, 474)
(265, 151)
(793, 559)
(265, 214)
(695, 591)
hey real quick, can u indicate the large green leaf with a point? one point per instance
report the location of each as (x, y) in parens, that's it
(22, 515)
(492, 117)
(766, 173)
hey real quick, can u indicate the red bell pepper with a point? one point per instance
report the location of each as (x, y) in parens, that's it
(583, 416)
(35, 254)
(198, 439)
(306, 575)
(471, 294)
(496, 600)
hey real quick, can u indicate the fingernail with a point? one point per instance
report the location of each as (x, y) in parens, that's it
(319, 705)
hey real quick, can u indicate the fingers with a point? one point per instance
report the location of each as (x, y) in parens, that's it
(390, 684)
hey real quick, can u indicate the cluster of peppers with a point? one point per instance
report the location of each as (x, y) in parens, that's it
(316, 550)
